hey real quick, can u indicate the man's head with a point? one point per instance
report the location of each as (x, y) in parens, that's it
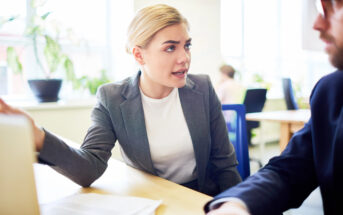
(330, 25)
(227, 70)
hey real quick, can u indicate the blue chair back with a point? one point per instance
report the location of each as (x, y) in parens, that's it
(238, 136)
(289, 95)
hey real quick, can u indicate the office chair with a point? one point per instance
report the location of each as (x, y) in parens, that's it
(238, 136)
(254, 102)
(288, 94)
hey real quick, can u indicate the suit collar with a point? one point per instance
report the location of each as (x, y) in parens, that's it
(131, 89)
(134, 121)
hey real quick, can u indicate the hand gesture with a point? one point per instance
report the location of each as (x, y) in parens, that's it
(38, 133)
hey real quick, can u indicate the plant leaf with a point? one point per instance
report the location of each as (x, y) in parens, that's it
(44, 16)
(52, 53)
(69, 69)
(13, 61)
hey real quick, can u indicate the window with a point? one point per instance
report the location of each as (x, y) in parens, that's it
(92, 33)
(11, 35)
(264, 38)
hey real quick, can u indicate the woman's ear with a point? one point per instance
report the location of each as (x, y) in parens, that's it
(138, 55)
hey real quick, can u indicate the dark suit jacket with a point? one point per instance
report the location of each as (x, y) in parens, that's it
(119, 115)
(313, 157)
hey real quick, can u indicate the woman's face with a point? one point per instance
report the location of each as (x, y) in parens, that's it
(166, 59)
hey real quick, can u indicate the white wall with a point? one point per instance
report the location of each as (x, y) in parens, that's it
(310, 37)
(204, 19)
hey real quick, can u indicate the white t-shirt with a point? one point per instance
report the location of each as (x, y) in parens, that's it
(170, 142)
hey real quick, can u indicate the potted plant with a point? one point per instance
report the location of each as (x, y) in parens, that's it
(50, 58)
(45, 89)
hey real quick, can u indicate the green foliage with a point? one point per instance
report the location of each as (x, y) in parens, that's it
(53, 54)
(92, 84)
(13, 61)
(257, 78)
(69, 68)
(4, 20)
(52, 51)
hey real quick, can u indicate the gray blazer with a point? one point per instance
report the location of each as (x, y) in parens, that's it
(118, 115)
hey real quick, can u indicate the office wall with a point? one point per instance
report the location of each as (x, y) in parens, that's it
(68, 121)
(204, 19)
(310, 37)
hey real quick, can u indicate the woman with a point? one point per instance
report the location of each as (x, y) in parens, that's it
(167, 122)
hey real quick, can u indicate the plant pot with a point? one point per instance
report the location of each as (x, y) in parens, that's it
(45, 90)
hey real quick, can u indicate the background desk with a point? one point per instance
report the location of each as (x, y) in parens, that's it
(290, 120)
(120, 179)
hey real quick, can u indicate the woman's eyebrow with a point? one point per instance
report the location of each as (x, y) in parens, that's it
(171, 41)
(176, 42)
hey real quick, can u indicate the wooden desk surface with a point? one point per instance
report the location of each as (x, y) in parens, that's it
(289, 116)
(290, 120)
(120, 179)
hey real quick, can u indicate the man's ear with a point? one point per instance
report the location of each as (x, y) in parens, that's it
(138, 55)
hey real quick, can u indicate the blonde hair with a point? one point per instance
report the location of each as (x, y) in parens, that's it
(148, 21)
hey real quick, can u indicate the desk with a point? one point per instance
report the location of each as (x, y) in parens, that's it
(290, 121)
(120, 179)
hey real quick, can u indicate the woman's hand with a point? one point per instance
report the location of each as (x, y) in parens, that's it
(230, 208)
(38, 133)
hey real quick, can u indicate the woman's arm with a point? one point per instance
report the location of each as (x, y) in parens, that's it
(83, 165)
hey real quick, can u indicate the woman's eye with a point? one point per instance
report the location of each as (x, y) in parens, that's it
(188, 46)
(170, 48)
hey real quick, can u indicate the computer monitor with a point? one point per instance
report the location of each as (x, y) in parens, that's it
(17, 184)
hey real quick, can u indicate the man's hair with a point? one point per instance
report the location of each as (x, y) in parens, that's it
(228, 70)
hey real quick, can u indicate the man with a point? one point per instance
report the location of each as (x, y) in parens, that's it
(314, 156)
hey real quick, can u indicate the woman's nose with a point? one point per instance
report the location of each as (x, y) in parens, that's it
(184, 57)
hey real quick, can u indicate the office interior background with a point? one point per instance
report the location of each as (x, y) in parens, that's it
(264, 40)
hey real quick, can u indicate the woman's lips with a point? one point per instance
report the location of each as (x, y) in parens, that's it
(180, 73)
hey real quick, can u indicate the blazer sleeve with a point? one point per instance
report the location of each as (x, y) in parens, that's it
(283, 183)
(88, 163)
(223, 160)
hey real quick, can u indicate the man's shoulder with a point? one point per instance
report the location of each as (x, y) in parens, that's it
(328, 91)
(332, 80)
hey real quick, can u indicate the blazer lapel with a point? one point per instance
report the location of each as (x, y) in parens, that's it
(193, 106)
(133, 117)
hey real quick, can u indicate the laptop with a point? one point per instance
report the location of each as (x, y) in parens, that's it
(17, 184)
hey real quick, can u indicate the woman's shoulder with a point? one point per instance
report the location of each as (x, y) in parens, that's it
(199, 77)
(118, 91)
(114, 87)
